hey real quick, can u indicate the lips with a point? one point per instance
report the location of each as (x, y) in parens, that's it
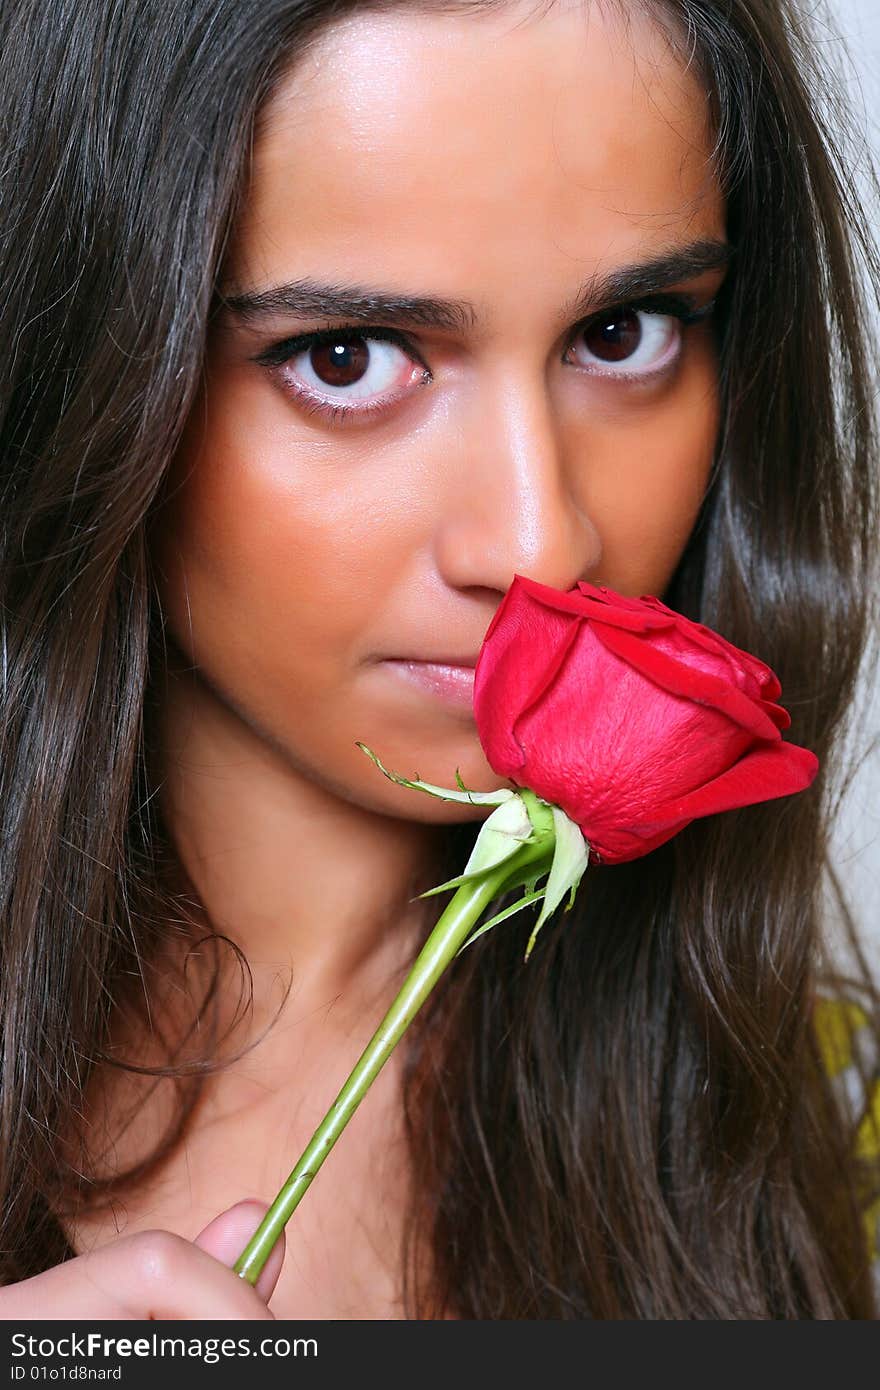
(465, 661)
(450, 681)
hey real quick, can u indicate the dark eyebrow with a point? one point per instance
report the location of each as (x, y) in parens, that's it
(309, 299)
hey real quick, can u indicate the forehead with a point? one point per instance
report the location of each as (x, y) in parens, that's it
(476, 146)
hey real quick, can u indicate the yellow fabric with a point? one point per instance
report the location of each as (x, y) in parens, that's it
(867, 1146)
(837, 1023)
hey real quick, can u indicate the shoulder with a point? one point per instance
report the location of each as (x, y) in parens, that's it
(850, 1052)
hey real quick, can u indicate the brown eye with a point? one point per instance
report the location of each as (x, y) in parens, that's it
(345, 372)
(340, 363)
(615, 339)
(644, 344)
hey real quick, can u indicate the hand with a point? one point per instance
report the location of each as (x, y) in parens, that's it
(155, 1275)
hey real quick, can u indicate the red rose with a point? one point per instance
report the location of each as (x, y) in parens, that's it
(630, 717)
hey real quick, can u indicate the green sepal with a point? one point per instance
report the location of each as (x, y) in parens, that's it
(571, 856)
(508, 912)
(501, 835)
(445, 793)
(442, 887)
(513, 823)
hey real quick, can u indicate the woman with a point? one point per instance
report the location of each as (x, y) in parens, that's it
(324, 320)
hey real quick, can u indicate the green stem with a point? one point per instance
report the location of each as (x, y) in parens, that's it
(453, 928)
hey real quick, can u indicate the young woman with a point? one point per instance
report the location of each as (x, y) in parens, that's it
(322, 321)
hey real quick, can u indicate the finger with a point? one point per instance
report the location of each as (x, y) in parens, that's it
(149, 1275)
(227, 1235)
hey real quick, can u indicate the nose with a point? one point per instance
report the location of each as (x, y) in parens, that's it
(511, 508)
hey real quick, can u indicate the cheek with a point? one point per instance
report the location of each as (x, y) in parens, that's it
(650, 472)
(270, 566)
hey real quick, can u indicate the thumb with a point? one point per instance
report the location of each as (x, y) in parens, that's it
(226, 1236)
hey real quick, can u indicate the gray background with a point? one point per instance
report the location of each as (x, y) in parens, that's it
(856, 839)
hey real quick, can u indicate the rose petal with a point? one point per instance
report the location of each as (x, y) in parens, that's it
(690, 682)
(763, 774)
(516, 669)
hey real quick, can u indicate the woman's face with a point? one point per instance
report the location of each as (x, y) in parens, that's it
(550, 176)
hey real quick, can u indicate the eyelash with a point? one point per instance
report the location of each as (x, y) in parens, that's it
(677, 306)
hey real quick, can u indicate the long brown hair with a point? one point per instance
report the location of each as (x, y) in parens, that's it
(637, 1124)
